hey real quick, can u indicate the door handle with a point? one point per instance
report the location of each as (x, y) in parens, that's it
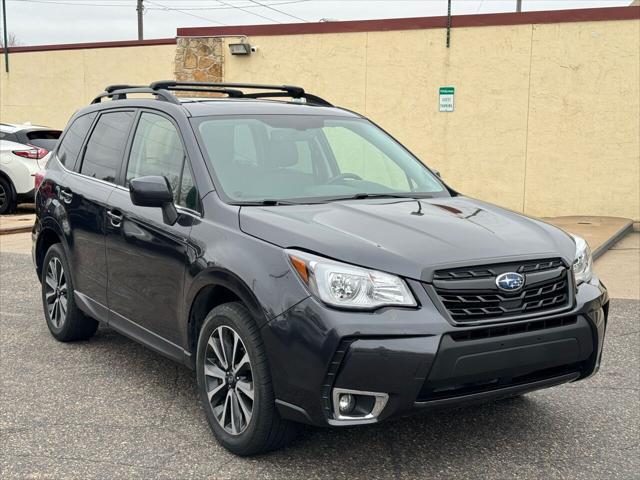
(66, 195)
(115, 217)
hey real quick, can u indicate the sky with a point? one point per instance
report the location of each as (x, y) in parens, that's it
(40, 22)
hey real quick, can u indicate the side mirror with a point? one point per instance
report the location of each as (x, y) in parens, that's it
(436, 173)
(154, 191)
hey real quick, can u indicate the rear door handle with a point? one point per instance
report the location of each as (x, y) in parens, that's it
(66, 195)
(115, 217)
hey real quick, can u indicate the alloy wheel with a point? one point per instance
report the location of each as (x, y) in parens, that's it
(229, 380)
(56, 292)
(3, 196)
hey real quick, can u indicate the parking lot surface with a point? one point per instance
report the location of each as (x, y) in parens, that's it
(109, 408)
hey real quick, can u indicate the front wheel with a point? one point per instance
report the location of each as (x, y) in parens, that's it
(235, 385)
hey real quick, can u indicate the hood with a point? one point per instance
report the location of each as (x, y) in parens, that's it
(411, 238)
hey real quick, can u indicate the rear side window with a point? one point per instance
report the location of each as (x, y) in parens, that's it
(44, 134)
(46, 139)
(105, 148)
(72, 142)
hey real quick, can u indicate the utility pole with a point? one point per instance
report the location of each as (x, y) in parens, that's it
(140, 10)
(6, 36)
(448, 23)
(518, 5)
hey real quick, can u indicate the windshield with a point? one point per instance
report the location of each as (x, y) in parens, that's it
(298, 158)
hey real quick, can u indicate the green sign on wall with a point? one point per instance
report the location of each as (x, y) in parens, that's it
(446, 99)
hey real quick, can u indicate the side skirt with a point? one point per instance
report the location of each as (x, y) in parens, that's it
(132, 330)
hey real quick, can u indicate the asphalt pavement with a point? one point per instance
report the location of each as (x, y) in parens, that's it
(109, 408)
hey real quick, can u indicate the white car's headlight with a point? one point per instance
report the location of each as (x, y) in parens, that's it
(583, 263)
(347, 286)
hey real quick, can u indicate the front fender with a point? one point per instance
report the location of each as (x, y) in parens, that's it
(220, 277)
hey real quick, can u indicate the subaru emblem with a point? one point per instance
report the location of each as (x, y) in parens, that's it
(510, 281)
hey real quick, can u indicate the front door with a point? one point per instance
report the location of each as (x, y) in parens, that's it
(146, 257)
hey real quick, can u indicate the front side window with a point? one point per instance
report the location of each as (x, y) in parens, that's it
(72, 141)
(105, 148)
(157, 150)
(310, 158)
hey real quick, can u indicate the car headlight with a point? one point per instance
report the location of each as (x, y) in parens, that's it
(347, 286)
(583, 263)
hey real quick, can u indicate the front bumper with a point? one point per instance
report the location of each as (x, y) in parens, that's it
(418, 359)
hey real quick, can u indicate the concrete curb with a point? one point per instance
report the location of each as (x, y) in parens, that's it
(9, 230)
(598, 252)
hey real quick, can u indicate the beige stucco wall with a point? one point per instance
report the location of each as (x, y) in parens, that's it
(47, 87)
(547, 117)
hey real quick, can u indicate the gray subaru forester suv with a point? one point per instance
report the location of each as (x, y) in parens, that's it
(306, 264)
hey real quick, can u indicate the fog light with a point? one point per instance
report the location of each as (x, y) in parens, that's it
(346, 403)
(356, 406)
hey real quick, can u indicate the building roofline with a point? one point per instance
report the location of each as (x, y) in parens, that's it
(80, 46)
(389, 24)
(419, 23)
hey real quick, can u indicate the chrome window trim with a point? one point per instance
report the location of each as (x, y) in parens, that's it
(182, 209)
(73, 172)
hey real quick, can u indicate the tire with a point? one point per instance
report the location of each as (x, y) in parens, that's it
(264, 430)
(7, 199)
(65, 324)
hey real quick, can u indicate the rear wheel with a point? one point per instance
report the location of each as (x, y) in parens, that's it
(7, 201)
(235, 386)
(65, 320)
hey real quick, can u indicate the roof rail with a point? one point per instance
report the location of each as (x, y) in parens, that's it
(162, 90)
(112, 88)
(297, 93)
(119, 92)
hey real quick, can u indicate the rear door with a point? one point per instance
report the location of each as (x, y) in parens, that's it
(146, 257)
(84, 193)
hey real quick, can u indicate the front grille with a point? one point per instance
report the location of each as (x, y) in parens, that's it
(495, 270)
(470, 295)
(512, 329)
(429, 393)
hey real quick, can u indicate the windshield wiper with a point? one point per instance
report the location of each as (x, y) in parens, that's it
(365, 196)
(264, 203)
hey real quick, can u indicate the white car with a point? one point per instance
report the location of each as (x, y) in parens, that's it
(23, 152)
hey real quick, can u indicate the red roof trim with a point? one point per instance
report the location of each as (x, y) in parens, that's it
(418, 23)
(79, 46)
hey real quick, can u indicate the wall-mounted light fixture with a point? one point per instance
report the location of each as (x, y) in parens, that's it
(240, 48)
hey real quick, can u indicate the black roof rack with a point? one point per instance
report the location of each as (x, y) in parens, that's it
(162, 90)
(119, 92)
(274, 91)
(112, 88)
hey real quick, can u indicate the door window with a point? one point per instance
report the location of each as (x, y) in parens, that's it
(105, 149)
(157, 150)
(72, 141)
